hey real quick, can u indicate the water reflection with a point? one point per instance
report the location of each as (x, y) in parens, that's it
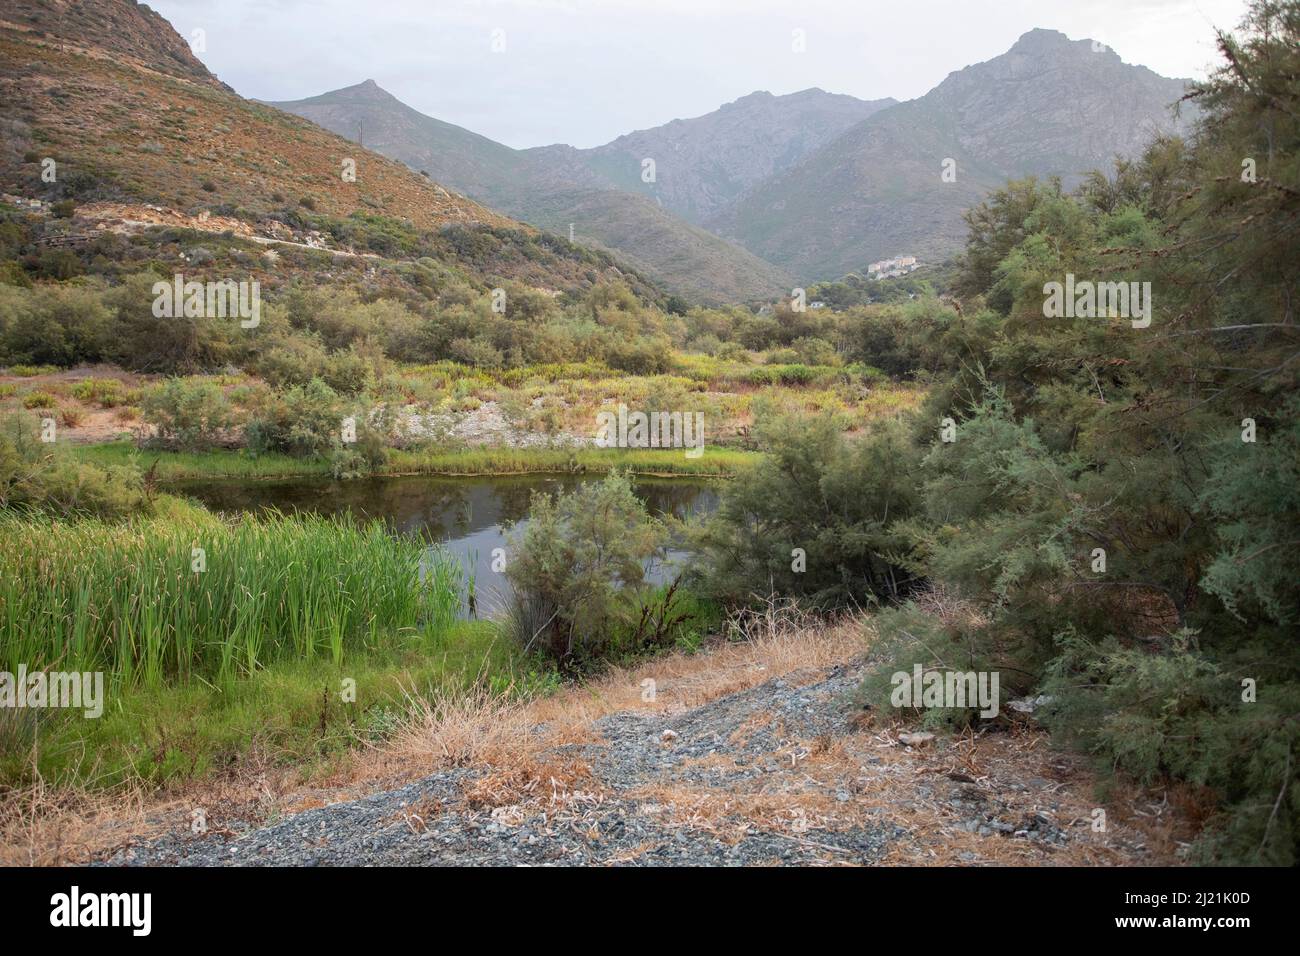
(465, 515)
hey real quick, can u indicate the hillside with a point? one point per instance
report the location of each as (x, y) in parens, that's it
(548, 188)
(705, 163)
(129, 117)
(127, 32)
(1048, 107)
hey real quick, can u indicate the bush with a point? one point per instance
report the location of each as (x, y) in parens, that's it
(1137, 712)
(350, 371)
(55, 325)
(39, 400)
(176, 345)
(188, 414)
(45, 477)
(577, 570)
(305, 421)
(838, 502)
(368, 452)
(294, 361)
(104, 392)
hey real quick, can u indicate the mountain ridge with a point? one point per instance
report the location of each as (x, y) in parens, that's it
(550, 187)
(123, 132)
(1049, 106)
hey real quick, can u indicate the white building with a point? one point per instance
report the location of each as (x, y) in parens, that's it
(892, 268)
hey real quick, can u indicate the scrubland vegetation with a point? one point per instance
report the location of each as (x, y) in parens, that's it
(1172, 451)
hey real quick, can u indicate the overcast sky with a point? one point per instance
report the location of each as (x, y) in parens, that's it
(585, 71)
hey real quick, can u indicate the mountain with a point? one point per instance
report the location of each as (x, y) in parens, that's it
(1048, 107)
(130, 32)
(705, 163)
(551, 188)
(465, 161)
(142, 133)
(765, 193)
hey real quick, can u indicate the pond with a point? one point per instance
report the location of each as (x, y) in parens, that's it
(467, 516)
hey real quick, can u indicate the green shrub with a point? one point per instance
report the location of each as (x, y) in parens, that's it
(368, 452)
(104, 392)
(305, 420)
(54, 325)
(188, 414)
(39, 400)
(837, 502)
(291, 362)
(45, 477)
(577, 571)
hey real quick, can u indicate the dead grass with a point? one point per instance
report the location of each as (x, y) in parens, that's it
(513, 745)
(39, 826)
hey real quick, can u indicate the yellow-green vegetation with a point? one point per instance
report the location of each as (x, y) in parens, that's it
(182, 595)
(304, 713)
(217, 638)
(227, 463)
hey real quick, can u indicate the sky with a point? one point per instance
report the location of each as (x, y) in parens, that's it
(536, 72)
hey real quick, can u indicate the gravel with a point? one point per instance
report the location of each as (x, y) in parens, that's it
(751, 744)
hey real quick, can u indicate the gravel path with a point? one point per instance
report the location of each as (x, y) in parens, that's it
(781, 773)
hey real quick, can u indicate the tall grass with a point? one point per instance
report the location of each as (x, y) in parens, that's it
(124, 598)
(221, 463)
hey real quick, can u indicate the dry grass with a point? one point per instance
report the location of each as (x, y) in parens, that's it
(46, 826)
(522, 777)
(43, 827)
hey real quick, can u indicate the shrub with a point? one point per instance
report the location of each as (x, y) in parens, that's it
(39, 400)
(350, 371)
(306, 421)
(577, 570)
(52, 325)
(368, 452)
(837, 502)
(104, 392)
(188, 414)
(45, 477)
(294, 361)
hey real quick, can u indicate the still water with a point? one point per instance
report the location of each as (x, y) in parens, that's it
(467, 516)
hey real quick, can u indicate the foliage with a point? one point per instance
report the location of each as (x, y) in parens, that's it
(577, 572)
(46, 477)
(135, 600)
(1118, 504)
(189, 414)
(815, 492)
(305, 420)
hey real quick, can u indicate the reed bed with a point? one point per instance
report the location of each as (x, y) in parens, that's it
(136, 600)
(224, 463)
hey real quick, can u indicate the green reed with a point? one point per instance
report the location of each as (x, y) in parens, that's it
(126, 598)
